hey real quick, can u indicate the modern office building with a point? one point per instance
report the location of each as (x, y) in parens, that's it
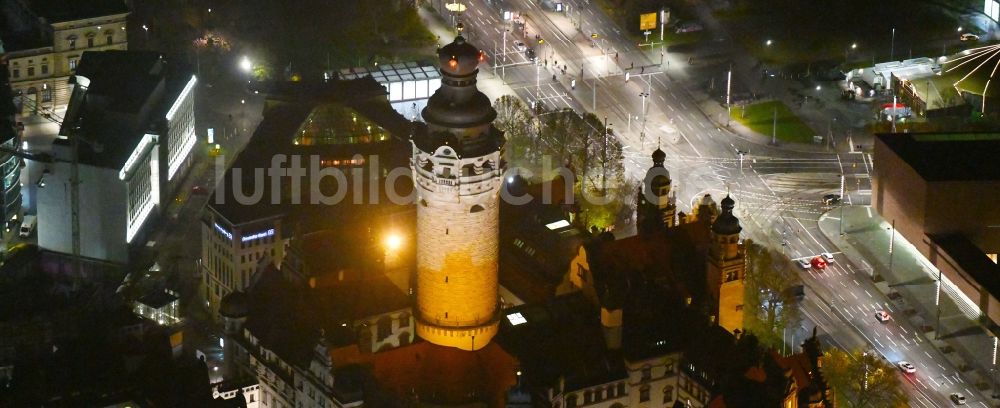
(940, 191)
(10, 170)
(44, 43)
(135, 120)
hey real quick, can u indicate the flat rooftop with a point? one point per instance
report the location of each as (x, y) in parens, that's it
(948, 156)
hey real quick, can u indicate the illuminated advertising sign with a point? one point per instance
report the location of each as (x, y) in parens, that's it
(647, 21)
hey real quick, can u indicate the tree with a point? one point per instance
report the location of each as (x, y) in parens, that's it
(862, 379)
(514, 119)
(769, 301)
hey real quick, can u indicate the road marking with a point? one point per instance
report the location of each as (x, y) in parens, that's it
(849, 313)
(855, 296)
(869, 294)
(856, 282)
(879, 343)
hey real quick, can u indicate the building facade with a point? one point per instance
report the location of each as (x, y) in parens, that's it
(50, 44)
(457, 172)
(136, 145)
(232, 252)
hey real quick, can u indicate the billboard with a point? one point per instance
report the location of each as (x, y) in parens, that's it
(647, 21)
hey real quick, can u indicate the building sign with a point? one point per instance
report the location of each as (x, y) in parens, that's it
(262, 234)
(647, 21)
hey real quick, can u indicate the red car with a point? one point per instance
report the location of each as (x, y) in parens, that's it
(818, 262)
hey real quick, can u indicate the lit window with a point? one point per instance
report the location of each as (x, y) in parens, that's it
(516, 318)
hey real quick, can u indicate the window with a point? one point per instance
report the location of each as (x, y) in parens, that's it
(404, 320)
(72, 64)
(384, 327)
(31, 71)
(644, 393)
(621, 389)
(16, 73)
(72, 44)
(668, 394)
(571, 401)
(45, 69)
(46, 95)
(110, 39)
(581, 272)
(647, 373)
(669, 366)
(588, 396)
(90, 42)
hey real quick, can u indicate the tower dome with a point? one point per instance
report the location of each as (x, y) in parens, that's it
(459, 59)
(659, 156)
(458, 104)
(727, 223)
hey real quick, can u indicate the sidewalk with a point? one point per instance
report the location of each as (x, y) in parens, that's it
(489, 84)
(911, 285)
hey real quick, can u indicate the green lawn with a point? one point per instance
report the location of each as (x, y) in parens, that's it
(759, 117)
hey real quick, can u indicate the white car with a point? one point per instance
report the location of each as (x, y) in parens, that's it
(828, 256)
(520, 46)
(882, 316)
(804, 263)
(957, 398)
(907, 367)
(969, 37)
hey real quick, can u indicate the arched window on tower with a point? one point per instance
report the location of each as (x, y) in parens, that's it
(476, 208)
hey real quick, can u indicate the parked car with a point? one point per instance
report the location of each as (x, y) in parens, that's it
(907, 367)
(688, 28)
(957, 398)
(28, 226)
(831, 199)
(882, 316)
(530, 55)
(828, 256)
(969, 37)
(804, 263)
(518, 45)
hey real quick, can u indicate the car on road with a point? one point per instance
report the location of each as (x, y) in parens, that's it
(907, 367)
(957, 398)
(818, 262)
(689, 27)
(969, 37)
(198, 190)
(530, 55)
(831, 199)
(828, 256)
(520, 46)
(804, 263)
(882, 316)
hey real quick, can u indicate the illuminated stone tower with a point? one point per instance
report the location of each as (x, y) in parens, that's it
(727, 266)
(457, 172)
(660, 209)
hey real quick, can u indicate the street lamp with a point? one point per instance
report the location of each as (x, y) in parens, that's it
(768, 43)
(245, 64)
(393, 242)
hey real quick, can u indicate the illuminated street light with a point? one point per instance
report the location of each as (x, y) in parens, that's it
(393, 242)
(245, 64)
(854, 46)
(768, 43)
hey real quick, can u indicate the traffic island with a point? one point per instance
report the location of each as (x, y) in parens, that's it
(773, 119)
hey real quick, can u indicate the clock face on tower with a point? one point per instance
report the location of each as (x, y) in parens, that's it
(457, 172)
